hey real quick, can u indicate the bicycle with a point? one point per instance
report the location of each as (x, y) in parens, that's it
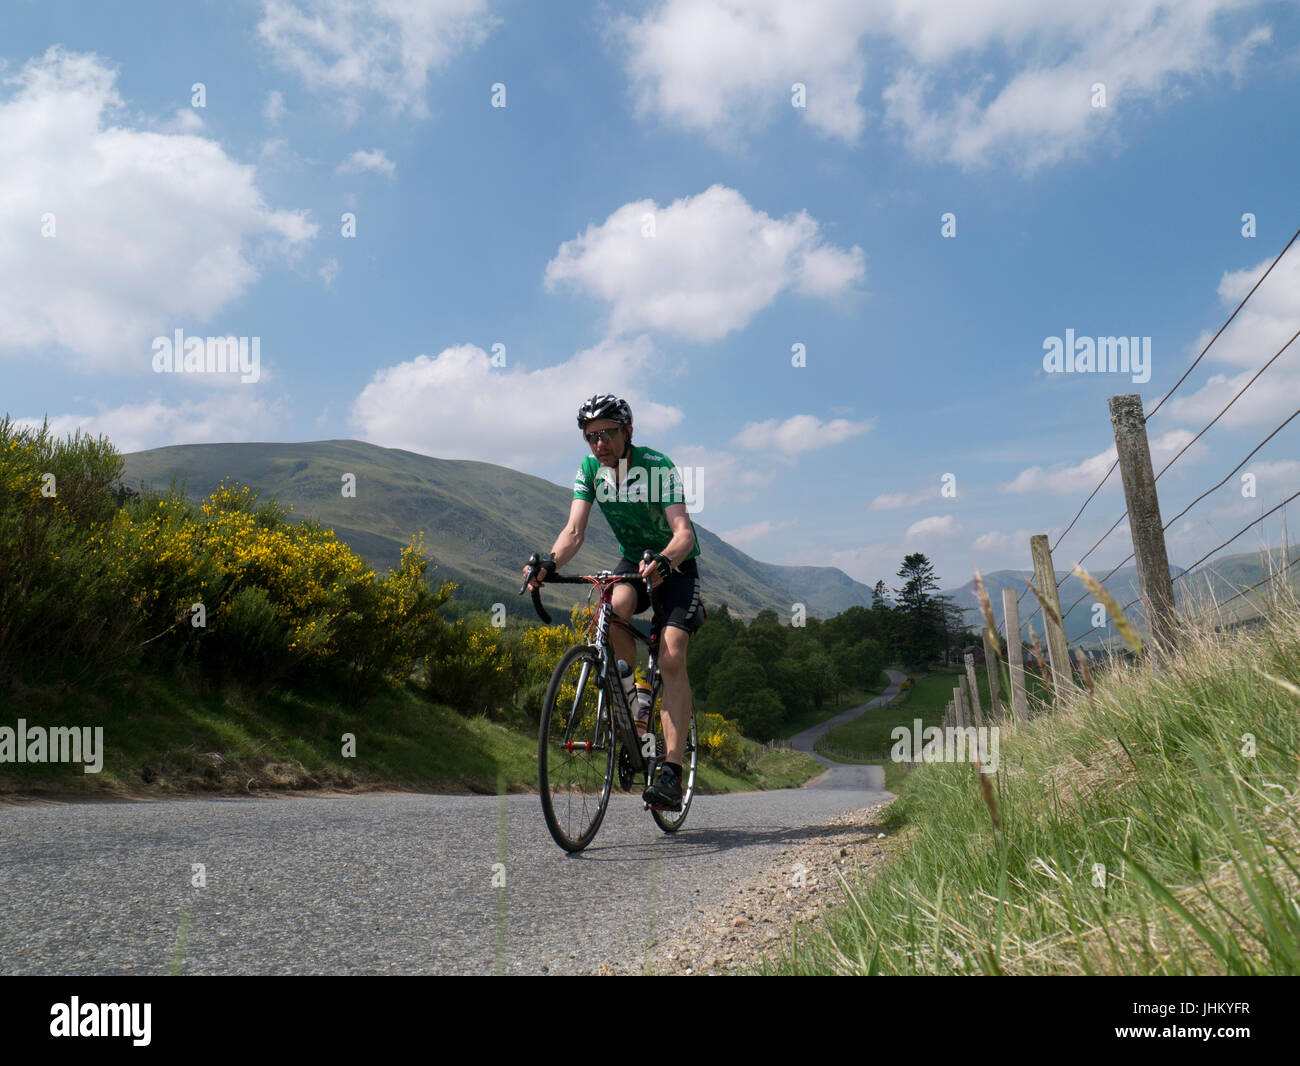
(586, 717)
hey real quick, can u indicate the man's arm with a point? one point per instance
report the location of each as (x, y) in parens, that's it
(677, 549)
(571, 536)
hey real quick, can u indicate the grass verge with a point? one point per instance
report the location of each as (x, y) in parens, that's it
(1149, 827)
(163, 738)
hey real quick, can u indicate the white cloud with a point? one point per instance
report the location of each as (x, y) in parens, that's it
(1042, 112)
(1265, 324)
(993, 541)
(183, 120)
(357, 49)
(329, 272)
(225, 415)
(718, 67)
(456, 405)
(1064, 479)
(754, 531)
(936, 527)
(273, 110)
(895, 501)
(719, 478)
(152, 230)
(867, 564)
(1277, 475)
(799, 433)
(711, 266)
(360, 161)
(966, 83)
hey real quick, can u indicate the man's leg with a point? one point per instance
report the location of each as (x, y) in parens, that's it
(624, 599)
(676, 708)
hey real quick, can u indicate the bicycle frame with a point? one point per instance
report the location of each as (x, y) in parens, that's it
(623, 723)
(623, 727)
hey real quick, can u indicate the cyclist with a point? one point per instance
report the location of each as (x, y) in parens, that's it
(640, 493)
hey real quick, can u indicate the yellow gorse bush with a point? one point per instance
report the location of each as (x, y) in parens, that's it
(720, 739)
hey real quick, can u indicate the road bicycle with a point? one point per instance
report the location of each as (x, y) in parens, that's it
(587, 735)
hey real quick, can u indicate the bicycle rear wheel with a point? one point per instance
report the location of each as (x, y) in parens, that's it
(671, 821)
(575, 749)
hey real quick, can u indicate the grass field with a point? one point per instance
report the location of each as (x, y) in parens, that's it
(1150, 827)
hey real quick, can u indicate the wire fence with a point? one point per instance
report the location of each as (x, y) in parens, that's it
(1182, 451)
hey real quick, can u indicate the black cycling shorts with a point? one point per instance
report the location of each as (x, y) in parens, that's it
(678, 594)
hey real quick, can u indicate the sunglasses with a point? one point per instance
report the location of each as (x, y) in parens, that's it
(603, 435)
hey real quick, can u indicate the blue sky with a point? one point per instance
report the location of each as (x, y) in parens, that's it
(127, 213)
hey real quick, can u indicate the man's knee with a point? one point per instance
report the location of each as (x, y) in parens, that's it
(623, 599)
(672, 652)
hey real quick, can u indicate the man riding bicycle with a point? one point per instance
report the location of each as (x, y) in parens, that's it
(640, 494)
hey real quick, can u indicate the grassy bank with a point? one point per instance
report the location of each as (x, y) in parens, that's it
(865, 739)
(854, 698)
(162, 737)
(1152, 827)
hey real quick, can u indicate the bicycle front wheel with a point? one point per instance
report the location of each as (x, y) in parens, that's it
(671, 821)
(575, 749)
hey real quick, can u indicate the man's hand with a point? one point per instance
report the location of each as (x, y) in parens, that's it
(545, 569)
(650, 569)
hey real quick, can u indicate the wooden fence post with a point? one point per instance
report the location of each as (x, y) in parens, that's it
(1144, 518)
(1045, 578)
(974, 684)
(963, 715)
(992, 667)
(1015, 660)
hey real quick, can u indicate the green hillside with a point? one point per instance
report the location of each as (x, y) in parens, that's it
(480, 521)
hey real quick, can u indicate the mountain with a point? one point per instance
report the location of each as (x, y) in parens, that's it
(480, 521)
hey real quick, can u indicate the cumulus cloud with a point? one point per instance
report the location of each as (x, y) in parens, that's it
(1264, 325)
(1064, 479)
(896, 501)
(867, 564)
(718, 67)
(712, 264)
(717, 477)
(149, 230)
(361, 161)
(754, 531)
(355, 50)
(273, 110)
(964, 83)
(799, 433)
(457, 405)
(936, 527)
(994, 541)
(225, 415)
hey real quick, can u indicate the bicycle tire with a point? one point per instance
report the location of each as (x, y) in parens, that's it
(568, 773)
(671, 821)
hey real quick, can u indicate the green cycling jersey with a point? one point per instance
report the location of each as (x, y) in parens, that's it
(632, 498)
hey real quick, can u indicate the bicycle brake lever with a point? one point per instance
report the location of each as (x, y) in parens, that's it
(534, 561)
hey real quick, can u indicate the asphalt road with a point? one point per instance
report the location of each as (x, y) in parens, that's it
(844, 775)
(378, 883)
